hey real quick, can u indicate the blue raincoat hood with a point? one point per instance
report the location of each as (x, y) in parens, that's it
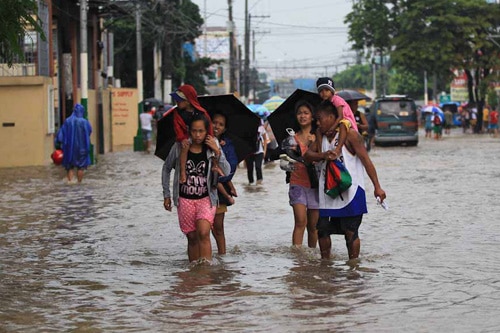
(74, 137)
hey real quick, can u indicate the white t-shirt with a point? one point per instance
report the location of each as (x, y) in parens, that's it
(260, 139)
(146, 119)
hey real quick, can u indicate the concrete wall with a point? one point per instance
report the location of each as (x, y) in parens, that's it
(25, 138)
(24, 121)
(124, 117)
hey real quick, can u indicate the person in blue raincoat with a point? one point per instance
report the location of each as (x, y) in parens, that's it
(74, 139)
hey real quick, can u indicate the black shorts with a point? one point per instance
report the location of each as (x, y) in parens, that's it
(338, 225)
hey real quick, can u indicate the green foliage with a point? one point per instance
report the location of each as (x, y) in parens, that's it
(407, 83)
(492, 97)
(170, 25)
(15, 18)
(195, 72)
(370, 26)
(430, 35)
(358, 76)
(125, 57)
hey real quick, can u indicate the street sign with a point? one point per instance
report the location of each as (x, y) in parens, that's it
(444, 98)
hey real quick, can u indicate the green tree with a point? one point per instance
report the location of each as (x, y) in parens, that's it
(404, 82)
(438, 36)
(16, 17)
(357, 76)
(196, 71)
(371, 28)
(169, 24)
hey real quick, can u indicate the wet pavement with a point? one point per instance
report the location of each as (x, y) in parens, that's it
(104, 256)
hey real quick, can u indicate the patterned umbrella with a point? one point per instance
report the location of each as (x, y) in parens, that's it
(272, 103)
(434, 110)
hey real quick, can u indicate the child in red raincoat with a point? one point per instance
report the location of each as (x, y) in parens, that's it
(187, 106)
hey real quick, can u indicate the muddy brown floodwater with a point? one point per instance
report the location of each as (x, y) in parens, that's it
(105, 256)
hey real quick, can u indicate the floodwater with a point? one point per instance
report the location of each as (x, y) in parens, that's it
(104, 256)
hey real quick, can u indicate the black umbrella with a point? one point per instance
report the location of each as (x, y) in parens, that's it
(242, 125)
(150, 102)
(352, 95)
(284, 116)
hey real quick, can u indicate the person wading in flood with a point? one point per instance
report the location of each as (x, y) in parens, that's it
(343, 214)
(195, 199)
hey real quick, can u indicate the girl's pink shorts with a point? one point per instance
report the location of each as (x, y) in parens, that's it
(191, 210)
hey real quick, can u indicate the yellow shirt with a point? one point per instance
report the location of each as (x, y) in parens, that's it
(486, 113)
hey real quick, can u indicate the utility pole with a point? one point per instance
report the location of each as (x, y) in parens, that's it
(84, 66)
(157, 70)
(84, 62)
(138, 144)
(139, 52)
(232, 76)
(254, 79)
(246, 70)
(248, 19)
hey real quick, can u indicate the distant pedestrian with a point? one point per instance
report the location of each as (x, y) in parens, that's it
(146, 118)
(372, 129)
(473, 120)
(74, 138)
(438, 126)
(360, 117)
(272, 145)
(486, 117)
(428, 124)
(448, 121)
(255, 160)
(465, 118)
(493, 123)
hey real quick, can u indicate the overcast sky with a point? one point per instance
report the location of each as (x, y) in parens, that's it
(299, 38)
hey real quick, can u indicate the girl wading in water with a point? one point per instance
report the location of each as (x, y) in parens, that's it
(196, 200)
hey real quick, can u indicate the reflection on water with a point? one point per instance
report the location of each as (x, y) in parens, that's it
(105, 255)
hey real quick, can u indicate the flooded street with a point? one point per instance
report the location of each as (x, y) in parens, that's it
(105, 256)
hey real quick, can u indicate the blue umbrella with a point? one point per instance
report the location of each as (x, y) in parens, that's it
(434, 110)
(260, 110)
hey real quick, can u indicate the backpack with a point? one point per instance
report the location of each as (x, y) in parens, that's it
(437, 120)
(337, 179)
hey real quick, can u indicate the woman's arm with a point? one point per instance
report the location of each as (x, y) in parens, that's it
(312, 154)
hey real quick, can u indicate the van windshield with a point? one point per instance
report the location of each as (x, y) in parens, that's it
(396, 108)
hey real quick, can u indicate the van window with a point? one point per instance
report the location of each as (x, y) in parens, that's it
(395, 108)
